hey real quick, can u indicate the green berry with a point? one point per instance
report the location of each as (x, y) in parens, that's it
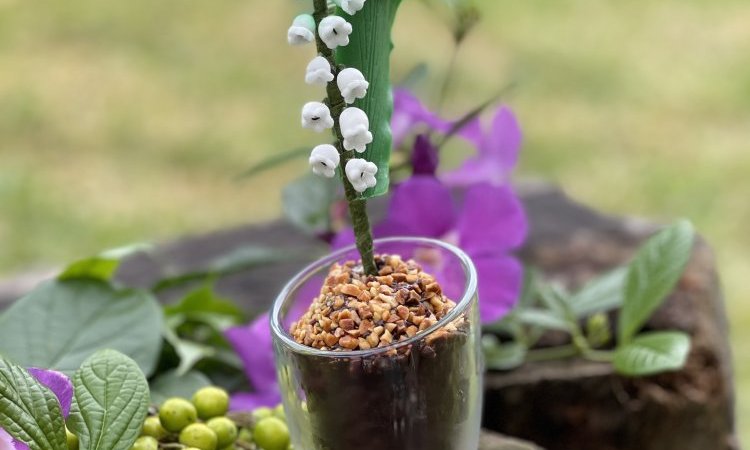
(211, 402)
(145, 443)
(271, 433)
(278, 411)
(152, 427)
(72, 440)
(245, 436)
(177, 413)
(225, 429)
(261, 413)
(198, 435)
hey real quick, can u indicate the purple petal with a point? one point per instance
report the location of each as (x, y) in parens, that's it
(8, 443)
(58, 383)
(248, 401)
(409, 113)
(424, 158)
(253, 344)
(492, 220)
(500, 280)
(421, 206)
(497, 153)
(343, 238)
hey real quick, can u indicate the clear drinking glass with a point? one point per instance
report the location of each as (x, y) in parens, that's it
(417, 394)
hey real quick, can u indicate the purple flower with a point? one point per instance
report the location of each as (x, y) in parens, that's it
(409, 114)
(60, 385)
(488, 223)
(254, 345)
(497, 152)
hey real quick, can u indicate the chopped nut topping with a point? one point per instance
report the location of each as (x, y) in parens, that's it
(359, 312)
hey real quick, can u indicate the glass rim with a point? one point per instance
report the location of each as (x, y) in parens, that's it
(304, 275)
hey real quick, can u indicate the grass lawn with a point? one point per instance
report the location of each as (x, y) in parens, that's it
(127, 121)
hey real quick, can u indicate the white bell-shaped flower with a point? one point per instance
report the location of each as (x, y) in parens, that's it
(361, 174)
(355, 127)
(316, 116)
(324, 160)
(352, 84)
(318, 72)
(334, 31)
(351, 6)
(302, 30)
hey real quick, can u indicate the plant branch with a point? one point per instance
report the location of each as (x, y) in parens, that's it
(357, 204)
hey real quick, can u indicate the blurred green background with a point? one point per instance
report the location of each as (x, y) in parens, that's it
(127, 121)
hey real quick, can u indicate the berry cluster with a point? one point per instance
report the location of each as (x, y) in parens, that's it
(203, 424)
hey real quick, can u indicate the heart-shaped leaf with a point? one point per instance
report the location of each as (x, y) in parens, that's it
(652, 275)
(110, 403)
(652, 353)
(61, 323)
(29, 411)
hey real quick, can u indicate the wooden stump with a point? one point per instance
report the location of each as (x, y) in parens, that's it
(565, 405)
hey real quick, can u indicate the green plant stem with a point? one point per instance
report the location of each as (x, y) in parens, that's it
(551, 353)
(357, 204)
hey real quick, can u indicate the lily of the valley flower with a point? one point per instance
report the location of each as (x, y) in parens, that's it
(355, 127)
(351, 7)
(318, 72)
(60, 385)
(324, 160)
(302, 30)
(352, 84)
(361, 173)
(334, 31)
(316, 116)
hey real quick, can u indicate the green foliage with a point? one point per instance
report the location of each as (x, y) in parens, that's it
(307, 203)
(59, 323)
(651, 353)
(653, 274)
(29, 411)
(638, 290)
(369, 51)
(110, 402)
(100, 267)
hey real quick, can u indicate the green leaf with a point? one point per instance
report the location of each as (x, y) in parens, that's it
(110, 402)
(369, 51)
(502, 356)
(60, 323)
(276, 160)
(543, 318)
(652, 275)
(307, 203)
(651, 353)
(202, 301)
(102, 266)
(29, 411)
(172, 384)
(189, 352)
(601, 294)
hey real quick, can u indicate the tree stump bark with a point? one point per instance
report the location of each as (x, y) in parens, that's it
(581, 405)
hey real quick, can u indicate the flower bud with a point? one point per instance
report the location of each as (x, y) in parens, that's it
(324, 159)
(361, 174)
(318, 72)
(355, 127)
(316, 116)
(352, 84)
(302, 30)
(334, 31)
(351, 7)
